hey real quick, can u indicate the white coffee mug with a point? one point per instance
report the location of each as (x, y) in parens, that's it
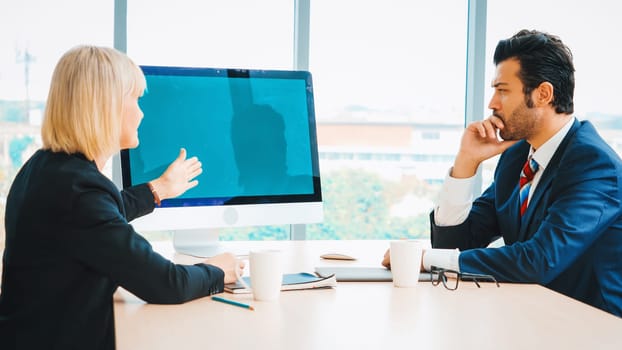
(266, 274)
(406, 262)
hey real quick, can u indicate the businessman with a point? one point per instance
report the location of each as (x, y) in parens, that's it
(557, 190)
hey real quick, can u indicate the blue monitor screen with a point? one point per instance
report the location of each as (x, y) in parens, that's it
(253, 131)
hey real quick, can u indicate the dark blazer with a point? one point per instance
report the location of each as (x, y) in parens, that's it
(570, 237)
(69, 246)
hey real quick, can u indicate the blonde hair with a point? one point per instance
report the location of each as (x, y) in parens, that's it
(84, 109)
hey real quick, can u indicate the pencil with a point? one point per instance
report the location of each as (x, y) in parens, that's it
(233, 302)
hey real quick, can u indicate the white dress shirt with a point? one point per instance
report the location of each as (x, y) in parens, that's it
(456, 199)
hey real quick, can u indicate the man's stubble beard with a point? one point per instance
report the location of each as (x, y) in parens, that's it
(520, 125)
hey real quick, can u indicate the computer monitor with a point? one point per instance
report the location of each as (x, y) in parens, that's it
(254, 132)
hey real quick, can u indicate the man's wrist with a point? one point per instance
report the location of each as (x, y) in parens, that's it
(463, 168)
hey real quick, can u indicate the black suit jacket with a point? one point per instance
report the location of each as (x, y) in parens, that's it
(570, 237)
(69, 246)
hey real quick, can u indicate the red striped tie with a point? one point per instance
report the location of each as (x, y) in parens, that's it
(526, 176)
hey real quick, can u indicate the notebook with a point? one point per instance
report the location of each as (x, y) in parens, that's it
(291, 281)
(362, 273)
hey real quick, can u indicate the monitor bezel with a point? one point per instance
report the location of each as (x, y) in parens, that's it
(234, 73)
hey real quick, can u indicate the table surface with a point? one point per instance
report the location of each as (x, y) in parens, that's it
(366, 315)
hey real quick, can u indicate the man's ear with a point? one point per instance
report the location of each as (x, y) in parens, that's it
(543, 94)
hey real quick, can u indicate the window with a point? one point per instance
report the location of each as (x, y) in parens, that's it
(216, 34)
(377, 82)
(34, 35)
(389, 82)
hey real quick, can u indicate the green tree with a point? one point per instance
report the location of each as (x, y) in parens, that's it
(357, 206)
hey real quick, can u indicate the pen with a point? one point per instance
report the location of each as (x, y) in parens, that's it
(233, 302)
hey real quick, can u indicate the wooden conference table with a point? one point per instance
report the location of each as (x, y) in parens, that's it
(366, 315)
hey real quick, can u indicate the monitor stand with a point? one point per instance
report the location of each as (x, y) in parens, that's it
(201, 243)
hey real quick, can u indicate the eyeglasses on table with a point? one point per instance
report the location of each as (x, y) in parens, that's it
(451, 278)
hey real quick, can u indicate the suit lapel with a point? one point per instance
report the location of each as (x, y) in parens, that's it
(545, 182)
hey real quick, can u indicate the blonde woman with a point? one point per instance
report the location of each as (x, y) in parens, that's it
(68, 241)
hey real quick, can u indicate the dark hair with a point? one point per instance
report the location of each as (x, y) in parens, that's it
(542, 57)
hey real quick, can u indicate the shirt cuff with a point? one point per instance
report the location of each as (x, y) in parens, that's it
(443, 258)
